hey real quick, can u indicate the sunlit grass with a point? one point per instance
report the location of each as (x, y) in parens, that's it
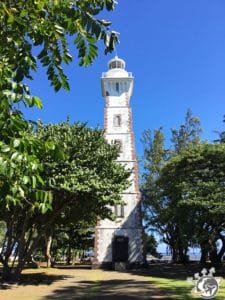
(181, 289)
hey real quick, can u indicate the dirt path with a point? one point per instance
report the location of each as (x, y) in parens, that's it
(69, 284)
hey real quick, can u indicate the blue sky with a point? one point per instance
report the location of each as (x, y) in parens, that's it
(176, 52)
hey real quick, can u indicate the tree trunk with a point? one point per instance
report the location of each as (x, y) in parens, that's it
(183, 258)
(48, 240)
(214, 258)
(204, 256)
(22, 256)
(6, 272)
(213, 255)
(222, 250)
(174, 254)
(179, 253)
(68, 259)
(204, 252)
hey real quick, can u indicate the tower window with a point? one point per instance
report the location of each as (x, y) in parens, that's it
(119, 210)
(119, 144)
(116, 64)
(119, 65)
(113, 65)
(117, 120)
(117, 87)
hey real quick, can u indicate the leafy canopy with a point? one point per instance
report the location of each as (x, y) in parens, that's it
(44, 26)
(37, 33)
(83, 177)
(162, 210)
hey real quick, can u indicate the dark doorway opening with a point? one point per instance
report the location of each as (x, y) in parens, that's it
(120, 249)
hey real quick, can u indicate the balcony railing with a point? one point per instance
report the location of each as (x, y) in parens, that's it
(104, 75)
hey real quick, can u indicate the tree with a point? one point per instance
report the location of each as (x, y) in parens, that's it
(2, 232)
(151, 245)
(193, 182)
(221, 134)
(154, 151)
(37, 33)
(43, 27)
(84, 181)
(73, 240)
(189, 132)
(161, 214)
(39, 27)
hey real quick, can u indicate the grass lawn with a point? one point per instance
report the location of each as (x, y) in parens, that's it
(172, 280)
(181, 289)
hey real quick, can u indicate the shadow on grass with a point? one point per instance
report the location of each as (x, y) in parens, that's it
(72, 267)
(40, 278)
(33, 279)
(176, 292)
(106, 289)
(171, 279)
(165, 281)
(175, 271)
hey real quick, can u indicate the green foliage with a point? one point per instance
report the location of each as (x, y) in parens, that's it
(33, 34)
(189, 132)
(81, 173)
(221, 134)
(2, 232)
(88, 175)
(193, 184)
(45, 25)
(161, 203)
(183, 191)
(72, 237)
(42, 27)
(19, 164)
(151, 245)
(154, 151)
(198, 174)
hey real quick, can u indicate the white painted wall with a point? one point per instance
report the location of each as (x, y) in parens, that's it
(117, 103)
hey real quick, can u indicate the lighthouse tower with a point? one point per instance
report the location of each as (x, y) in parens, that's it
(120, 241)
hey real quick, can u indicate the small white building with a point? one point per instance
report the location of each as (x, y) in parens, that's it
(120, 240)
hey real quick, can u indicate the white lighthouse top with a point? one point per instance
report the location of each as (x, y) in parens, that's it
(116, 63)
(116, 69)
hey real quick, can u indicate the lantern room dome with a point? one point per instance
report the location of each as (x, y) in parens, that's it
(116, 68)
(116, 63)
